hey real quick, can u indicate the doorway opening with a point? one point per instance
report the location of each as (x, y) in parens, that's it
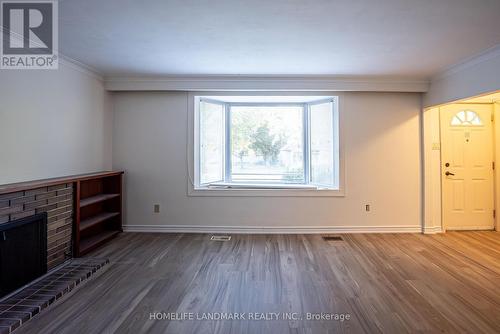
(461, 144)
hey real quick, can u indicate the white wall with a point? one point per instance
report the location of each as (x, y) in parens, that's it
(432, 171)
(477, 76)
(53, 123)
(383, 168)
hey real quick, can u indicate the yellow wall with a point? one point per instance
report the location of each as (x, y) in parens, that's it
(497, 162)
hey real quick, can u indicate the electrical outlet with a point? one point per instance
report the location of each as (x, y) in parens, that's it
(157, 208)
(367, 207)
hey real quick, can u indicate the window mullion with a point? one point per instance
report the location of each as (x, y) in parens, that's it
(307, 153)
(336, 142)
(227, 144)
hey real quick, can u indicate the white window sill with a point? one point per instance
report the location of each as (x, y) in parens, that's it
(229, 190)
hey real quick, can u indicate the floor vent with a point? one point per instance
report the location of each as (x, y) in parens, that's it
(220, 238)
(332, 238)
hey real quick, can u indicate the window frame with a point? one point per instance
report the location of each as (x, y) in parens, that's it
(198, 144)
(227, 188)
(335, 139)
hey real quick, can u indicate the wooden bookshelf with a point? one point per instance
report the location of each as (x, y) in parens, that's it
(98, 211)
(96, 199)
(94, 241)
(97, 219)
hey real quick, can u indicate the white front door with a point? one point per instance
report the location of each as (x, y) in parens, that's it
(467, 167)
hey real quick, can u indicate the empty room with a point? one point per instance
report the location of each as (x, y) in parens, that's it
(284, 166)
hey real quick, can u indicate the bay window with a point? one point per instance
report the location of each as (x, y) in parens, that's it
(266, 142)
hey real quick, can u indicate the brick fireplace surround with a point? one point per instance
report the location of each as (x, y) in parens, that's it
(57, 202)
(60, 199)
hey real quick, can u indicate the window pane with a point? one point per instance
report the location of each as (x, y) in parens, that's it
(466, 117)
(267, 144)
(322, 145)
(211, 142)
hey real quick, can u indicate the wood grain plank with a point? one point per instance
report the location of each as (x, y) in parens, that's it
(388, 283)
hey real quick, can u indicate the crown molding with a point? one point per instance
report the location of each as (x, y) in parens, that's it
(485, 55)
(80, 67)
(264, 83)
(67, 61)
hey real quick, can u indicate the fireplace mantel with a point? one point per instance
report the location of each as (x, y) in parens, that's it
(28, 185)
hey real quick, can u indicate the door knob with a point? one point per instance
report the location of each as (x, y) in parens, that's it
(448, 174)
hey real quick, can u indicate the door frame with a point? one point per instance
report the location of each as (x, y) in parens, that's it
(432, 168)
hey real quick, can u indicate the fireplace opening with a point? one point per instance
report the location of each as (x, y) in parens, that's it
(23, 252)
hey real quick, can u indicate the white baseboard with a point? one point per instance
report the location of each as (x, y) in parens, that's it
(433, 230)
(270, 230)
(470, 228)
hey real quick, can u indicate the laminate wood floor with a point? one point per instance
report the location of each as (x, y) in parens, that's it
(387, 283)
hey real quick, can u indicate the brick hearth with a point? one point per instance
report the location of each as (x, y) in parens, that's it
(16, 310)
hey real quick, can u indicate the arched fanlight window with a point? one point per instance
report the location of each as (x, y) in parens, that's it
(466, 117)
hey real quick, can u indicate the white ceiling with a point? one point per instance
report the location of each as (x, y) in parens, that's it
(397, 38)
